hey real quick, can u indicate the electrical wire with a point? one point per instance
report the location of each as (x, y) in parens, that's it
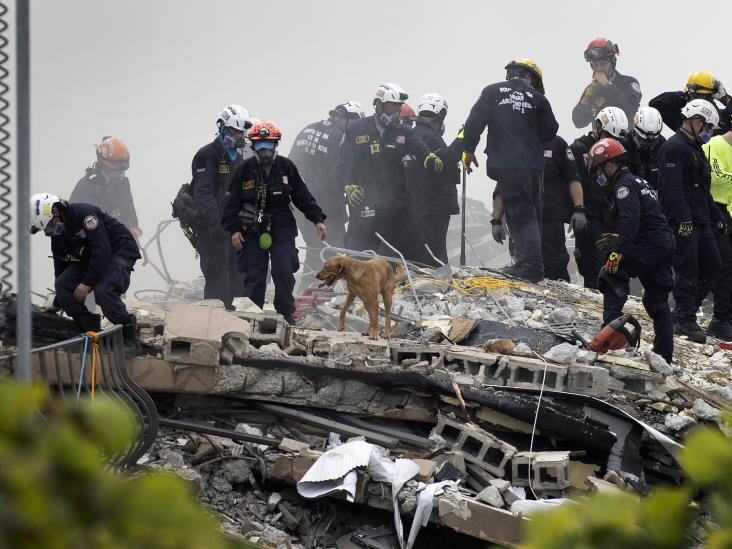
(536, 419)
(477, 286)
(5, 188)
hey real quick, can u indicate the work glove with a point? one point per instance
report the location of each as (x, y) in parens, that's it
(468, 160)
(461, 131)
(686, 228)
(607, 243)
(719, 219)
(354, 194)
(578, 222)
(613, 262)
(435, 161)
(721, 93)
(498, 231)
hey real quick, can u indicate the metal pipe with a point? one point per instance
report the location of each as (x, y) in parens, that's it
(462, 217)
(225, 433)
(406, 269)
(22, 36)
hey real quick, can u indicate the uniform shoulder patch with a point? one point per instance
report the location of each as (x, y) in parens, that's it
(401, 139)
(91, 222)
(548, 153)
(570, 154)
(636, 86)
(362, 139)
(248, 185)
(224, 168)
(622, 192)
(285, 181)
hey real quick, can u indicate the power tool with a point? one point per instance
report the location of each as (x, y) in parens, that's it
(624, 331)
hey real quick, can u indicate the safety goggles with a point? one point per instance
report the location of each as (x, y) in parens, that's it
(267, 145)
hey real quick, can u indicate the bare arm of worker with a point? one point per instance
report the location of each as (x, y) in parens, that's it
(575, 192)
(498, 208)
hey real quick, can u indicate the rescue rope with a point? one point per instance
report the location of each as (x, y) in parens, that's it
(95, 361)
(477, 286)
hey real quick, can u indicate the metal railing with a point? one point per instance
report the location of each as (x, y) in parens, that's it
(61, 366)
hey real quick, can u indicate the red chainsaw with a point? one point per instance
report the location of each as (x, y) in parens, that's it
(624, 331)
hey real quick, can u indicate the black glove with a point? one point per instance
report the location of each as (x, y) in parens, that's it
(720, 219)
(578, 221)
(498, 231)
(607, 243)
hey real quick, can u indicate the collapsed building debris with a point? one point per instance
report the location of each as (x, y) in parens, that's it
(485, 405)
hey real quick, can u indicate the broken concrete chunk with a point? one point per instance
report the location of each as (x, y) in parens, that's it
(664, 407)
(678, 422)
(601, 486)
(563, 315)
(295, 446)
(515, 305)
(657, 362)
(514, 494)
(271, 349)
(245, 305)
(274, 499)
(545, 470)
(564, 353)
(448, 471)
(501, 484)
(426, 469)
(491, 496)
(703, 411)
(522, 349)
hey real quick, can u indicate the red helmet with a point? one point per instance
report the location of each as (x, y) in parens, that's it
(604, 150)
(264, 130)
(601, 48)
(113, 154)
(407, 112)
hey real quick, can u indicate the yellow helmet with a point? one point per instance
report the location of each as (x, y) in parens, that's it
(530, 64)
(702, 82)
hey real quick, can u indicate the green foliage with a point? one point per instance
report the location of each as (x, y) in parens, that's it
(659, 521)
(56, 492)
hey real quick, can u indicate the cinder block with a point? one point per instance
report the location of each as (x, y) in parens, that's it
(347, 349)
(528, 373)
(587, 380)
(269, 328)
(549, 470)
(401, 351)
(473, 363)
(477, 446)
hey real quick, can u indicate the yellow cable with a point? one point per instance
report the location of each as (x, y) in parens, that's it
(95, 360)
(476, 286)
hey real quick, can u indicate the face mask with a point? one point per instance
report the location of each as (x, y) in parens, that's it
(704, 136)
(230, 141)
(600, 178)
(265, 151)
(390, 120)
(113, 177)
(53, 229)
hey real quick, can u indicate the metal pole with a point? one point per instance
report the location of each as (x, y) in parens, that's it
(22, 36)
(462, 220)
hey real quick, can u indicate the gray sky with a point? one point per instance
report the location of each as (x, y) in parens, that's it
(155, 73)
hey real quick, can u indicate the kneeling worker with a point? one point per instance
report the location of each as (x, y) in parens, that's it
(643, 246)
(258, 216)
(91, 251)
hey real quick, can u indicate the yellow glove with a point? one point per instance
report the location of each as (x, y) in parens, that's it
(354, 194)
(461, 131)
(613, 262)
(435, 161)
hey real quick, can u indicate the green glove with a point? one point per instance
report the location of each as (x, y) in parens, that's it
(461, 131)
(435, 161)
(354, 194)
(686, 228)
(607, 242)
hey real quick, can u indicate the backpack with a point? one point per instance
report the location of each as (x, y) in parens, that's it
(186, 212)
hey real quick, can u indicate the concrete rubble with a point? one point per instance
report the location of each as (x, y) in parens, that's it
(455, 394)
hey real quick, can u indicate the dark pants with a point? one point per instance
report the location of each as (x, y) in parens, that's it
(435, 228)
(554, 249)
(589, 259)
(652, 266)
(254, 263)
(107, 292)
(722, 289)
(336, 223)
(218, 265)
(521, 192)
(696, 266)
(361, 227)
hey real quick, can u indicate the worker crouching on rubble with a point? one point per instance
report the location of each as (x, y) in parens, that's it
(92, 251)
(642, 248)
(259, 218)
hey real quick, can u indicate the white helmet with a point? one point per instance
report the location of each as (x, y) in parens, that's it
(703, 109)
(235, 116)
(390, 93)
(613, 121)
(648, 123)
(41, 210)
(432, 102)
(351, 109)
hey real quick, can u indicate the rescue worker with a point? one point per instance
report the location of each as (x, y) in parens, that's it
(212, 169)
(643, 143)
(684, 191)
(719, 154)
(258, 216)
(519, 119)
(700, 85)
(371, 171)
(105, 185)
(608, 87)
(611, 122)
(408, 116)
(315, 153)
(642, 247)
(92, 251)
(434, 194)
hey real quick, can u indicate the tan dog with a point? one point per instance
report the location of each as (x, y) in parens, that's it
(365, 279)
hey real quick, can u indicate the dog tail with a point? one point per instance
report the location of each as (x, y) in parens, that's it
(401, 274)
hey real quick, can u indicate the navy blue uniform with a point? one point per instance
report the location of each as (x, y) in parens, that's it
(684, 191)
(519, 121)
(643, 160)
(373, 157)
(284, 186)
(622, 91)
(559, 171)
(315, 153)
(113, 198)
(647, 244)
(96, 250)
(432, 194)
(212, 168)
(669, 104)
(597, 209)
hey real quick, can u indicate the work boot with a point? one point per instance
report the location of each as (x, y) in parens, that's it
(515, 271)
(130, 338)
(290, 319)
(720, 329)
(88, 323)
(690, 329)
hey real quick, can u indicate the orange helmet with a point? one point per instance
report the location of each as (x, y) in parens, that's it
(113, 154)
(605, 150)
(264, 130)
(601, 48)
(407, 112)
